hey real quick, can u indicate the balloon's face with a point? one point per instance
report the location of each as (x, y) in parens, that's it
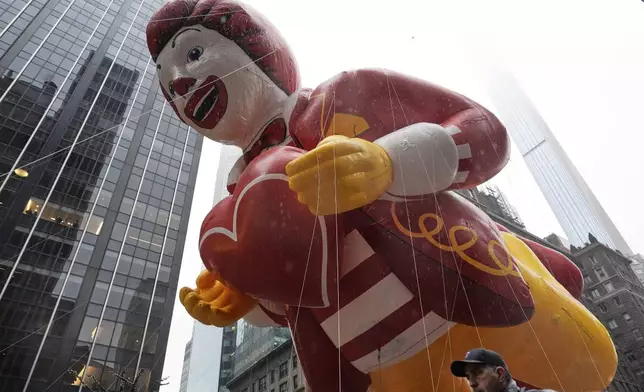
(214, 85)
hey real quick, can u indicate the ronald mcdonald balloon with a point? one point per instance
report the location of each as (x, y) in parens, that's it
(342, 223)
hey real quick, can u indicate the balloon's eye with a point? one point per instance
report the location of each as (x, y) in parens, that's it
(195, 53)
(171, 88)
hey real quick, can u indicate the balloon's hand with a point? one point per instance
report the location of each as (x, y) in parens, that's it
(214, 303)
(340, 174)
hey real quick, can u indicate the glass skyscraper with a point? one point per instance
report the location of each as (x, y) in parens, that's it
(96, 180)
(571, 200)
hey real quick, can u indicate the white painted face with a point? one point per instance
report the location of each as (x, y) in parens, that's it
(217, 89)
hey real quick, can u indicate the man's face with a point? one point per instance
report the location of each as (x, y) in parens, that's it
(484, 378)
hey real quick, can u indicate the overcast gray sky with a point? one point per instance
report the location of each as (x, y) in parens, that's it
(581, 62)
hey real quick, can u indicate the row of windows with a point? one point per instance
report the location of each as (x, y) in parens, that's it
(117, 335)
(6, 15)
(283, 386)
(612, 323)
(130, 249)
(261, 384)
(608, 288)
(25, 292)
(134, 267)
(158, 189)
(12, 7)
(151, 199)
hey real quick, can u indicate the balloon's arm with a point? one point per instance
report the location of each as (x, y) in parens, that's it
(262, 240)
(437, 139)
(214, 303)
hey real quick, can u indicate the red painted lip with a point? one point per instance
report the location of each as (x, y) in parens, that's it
(208, 104)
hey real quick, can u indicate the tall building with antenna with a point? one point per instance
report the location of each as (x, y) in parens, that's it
(571, 200)
(96, 182)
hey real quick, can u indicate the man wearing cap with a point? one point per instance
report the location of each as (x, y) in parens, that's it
(486, 371)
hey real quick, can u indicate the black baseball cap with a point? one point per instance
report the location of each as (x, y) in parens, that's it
(477, 356)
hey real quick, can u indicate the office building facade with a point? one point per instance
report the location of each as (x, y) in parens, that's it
(96, 182)
(201, 373)
(571, 200)
(227, 362)
(255, 343)
(276, 370)
(185, 368)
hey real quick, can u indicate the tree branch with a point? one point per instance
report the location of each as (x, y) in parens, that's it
(120, 377)
(100, 387)
(136, 380)
(80, 379)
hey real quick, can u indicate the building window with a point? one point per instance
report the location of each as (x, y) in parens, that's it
(262, 384)
(294, 361)
(284, 386)
(627, 317)
(603, 307)
(609, 287)
(295, 382)
(588, 279)
(595, 293)
(631, 357)
(612, 324)
(637, 334)
(283, 371)
(272, 376)
(593, 260)
(618, 301)
(601, 273)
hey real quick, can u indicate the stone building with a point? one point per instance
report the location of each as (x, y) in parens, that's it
(614, 294)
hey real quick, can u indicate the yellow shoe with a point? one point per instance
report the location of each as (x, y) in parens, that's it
(214, 303)
(340, 174)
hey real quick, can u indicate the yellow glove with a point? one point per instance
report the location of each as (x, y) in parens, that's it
(340, 174)
(214, 303)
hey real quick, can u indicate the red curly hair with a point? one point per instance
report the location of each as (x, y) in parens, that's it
(255, 35)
